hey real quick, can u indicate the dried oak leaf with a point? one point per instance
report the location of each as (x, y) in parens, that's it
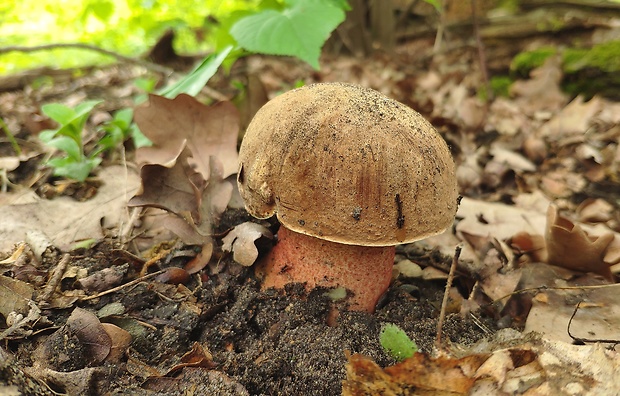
(429, 376)
(183, 122)
(570, 247)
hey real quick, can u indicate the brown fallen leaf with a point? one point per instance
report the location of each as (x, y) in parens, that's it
(121, 339)
(542, 91)
(570, 247)
(174, 124)
(88, 329)
(426, 375)
(63, 219)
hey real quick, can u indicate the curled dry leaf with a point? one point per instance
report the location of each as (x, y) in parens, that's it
(240, 240)
(569, 246)
(436, 376)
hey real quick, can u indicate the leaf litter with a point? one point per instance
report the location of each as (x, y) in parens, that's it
(538, 224)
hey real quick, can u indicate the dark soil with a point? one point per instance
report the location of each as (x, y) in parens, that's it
(266, 342)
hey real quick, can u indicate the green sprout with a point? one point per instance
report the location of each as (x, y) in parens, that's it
(396, 342)
(68, 139)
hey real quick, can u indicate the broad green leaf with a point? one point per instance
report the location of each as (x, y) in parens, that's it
(58, 112)
(123, 118)
(67, 145)
(299, 30)
(79, 171)
(195, 81)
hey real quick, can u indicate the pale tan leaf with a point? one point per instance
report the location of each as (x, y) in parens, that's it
(569, 246)
(241, 241)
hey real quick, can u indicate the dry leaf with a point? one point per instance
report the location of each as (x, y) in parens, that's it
(121, 339)
(91, 334)
(240, 240)
(429, 376)
(173, 125)
(574, 119)
(569, 246)
(66, 220)
(542, 91)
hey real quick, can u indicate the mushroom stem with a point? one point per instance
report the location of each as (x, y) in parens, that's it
(364, 270)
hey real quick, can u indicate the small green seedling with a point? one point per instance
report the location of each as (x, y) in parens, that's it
(396, 342)
(119, 129)
(68, 138)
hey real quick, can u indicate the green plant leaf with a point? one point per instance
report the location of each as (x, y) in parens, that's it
(58, 112)
(299, 30)
(396, 342)
(68, 145)
(195, 81)
(139, 140)
(79, 171)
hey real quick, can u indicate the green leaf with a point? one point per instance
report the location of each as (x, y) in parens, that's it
(300, 30)
(195, 81)
(67, 145)
(139, 140)
(79, 171)
(396, 342)
(58, 112)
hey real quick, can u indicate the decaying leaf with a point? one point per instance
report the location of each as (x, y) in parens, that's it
(184, 172)
(206, 131)
(63, 219)
(428, 376)
(569, 246)
(542, 91)
(91, 334)
(240, 240)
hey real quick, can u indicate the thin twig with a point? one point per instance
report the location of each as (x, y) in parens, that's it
(584, 340)
(148, 65)
(481, 51)
(128, 284)
(55, 278)
(440, 28)
(543, 288)
(444, 303)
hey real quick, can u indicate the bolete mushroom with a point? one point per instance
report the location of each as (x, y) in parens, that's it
(350, 173)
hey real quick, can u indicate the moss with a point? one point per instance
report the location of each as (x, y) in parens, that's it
(501, 85)
(524, 62)
(605, 57)
(587, 71)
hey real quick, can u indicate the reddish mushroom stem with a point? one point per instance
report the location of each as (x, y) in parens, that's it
(364, 270)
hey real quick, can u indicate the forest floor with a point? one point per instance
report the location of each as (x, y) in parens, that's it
(532, 310)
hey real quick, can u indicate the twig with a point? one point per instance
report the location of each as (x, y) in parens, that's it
(55, 278)
(440, 28)
(542, 288)
(444, 303)
(128, 284)
(148, 65)
(481, 52)
(584, 340)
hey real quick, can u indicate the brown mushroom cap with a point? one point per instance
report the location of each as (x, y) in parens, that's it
(347, 164)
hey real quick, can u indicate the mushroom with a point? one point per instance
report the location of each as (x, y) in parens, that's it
(350, 173)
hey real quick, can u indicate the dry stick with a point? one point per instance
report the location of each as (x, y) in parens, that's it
(55, 278)
(543, 288)
(117, 288)
(444, 303)
(584, 340)
(481, 52)
(148, 65)
(440, 28)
